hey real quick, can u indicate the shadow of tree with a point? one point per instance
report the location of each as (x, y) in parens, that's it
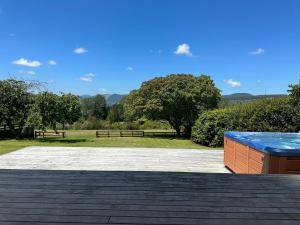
(51, 140)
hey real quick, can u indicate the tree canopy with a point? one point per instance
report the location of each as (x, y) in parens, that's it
(51, 109)
(15, 100)
(177, 98)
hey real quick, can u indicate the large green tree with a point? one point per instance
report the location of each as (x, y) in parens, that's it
(46, 110)
(177, 98)
(51, 109)
(69, 109)
(15, 100)
(132, 106)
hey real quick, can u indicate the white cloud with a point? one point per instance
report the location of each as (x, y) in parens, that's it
(52, 62)
(25, 62)
(183, 49)
(258, 51)
(233, 83)
(80, 50)
(88, 77)
(26, 72)
(129, 68)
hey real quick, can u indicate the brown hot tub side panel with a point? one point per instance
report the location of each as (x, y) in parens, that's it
(287, 165)
(243, 159)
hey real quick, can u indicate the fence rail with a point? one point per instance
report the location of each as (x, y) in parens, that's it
(44, 134)
(119, 133)
(134, 133)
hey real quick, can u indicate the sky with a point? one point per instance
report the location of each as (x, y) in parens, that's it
(112, 46)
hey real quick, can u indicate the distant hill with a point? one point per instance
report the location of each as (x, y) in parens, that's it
(231, 99)
(246, 97)
(113, 99)
(85, 96)
(238, 96)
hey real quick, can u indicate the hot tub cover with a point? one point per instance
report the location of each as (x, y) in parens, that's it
(273, 143)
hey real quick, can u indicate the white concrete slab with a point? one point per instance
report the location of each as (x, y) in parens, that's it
(115, 159)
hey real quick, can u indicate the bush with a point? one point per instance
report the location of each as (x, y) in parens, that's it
(146, 124)
(210, 126)
(273, 115)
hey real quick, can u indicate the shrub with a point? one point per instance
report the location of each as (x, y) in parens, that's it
(210, 126)
(146, 124)
(274, 115)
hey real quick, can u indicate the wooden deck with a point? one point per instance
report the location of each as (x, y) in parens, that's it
(30, 197)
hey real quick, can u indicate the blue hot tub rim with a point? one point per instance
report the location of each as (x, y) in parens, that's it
(241, 137)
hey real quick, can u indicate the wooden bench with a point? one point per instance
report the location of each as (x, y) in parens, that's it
(44, 134)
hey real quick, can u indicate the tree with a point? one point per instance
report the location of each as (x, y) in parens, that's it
(116, 113)
(94, 106)
(177, 98)
(47, 109)
(294, 94)
(15, 100)
(51, 109)
(131, 104)
(294, 99)
(69, 109)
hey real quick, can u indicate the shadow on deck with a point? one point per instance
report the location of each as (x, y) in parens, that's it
(102, 197)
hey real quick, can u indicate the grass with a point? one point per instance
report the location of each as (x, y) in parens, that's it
(86, 138)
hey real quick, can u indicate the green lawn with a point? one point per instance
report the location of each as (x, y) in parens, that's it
(86, 138)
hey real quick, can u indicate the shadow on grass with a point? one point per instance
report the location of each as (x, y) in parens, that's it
(166, 137)
(52, 140)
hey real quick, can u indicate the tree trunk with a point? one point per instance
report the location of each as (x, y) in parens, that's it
(178, 131)
(176, 126)
(188, 131)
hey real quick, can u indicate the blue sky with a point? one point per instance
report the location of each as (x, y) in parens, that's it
(95, 46)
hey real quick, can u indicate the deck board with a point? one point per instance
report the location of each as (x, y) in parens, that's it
(147, 197)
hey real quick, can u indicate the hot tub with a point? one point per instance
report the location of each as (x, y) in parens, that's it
(262, 152)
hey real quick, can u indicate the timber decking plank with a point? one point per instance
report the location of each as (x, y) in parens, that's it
(99, 197)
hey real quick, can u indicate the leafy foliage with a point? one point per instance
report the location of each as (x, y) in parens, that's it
(51, 109)
(276, 115)
(15, 100)
(132, 110)
(177, 98)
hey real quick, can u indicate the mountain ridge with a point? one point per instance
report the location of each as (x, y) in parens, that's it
(112, 99)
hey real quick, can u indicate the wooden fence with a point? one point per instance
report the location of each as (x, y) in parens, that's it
(134, 133)
(119, 133)
(44, 134)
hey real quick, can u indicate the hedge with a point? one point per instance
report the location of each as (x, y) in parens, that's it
(273, 115)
